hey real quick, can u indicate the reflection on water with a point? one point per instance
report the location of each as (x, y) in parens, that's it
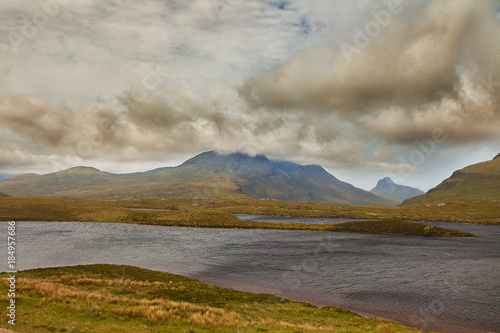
(445, 284)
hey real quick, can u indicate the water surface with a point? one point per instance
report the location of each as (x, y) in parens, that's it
(444, 284)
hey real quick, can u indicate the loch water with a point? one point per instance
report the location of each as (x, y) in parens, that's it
(441, 284)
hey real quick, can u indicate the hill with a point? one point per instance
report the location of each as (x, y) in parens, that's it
(210, 175)
(388, 189)
(477, 181)
(3, 195)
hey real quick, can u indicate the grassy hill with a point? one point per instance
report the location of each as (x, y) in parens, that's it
(477, 181)
(208, 175)
(90, 183)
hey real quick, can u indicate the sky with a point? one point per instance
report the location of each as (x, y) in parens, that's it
(367, 89)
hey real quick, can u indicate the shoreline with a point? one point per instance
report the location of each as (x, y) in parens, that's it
(435, 326)
(132, 297)
(375, 313)
(441, 326)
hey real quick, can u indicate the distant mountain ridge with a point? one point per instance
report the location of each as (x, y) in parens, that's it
(477, 181)
(208, 174)
(387, 188)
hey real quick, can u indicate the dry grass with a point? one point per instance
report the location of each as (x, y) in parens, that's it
(384, 328)
(82, 281)
(123, 299)
(154, 311)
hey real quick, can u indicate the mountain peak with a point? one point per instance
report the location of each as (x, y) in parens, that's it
(239, 154)
(387, 188)
(498, 156)
(82, 170)
(212, 156)
(386, 180)
(384, 184)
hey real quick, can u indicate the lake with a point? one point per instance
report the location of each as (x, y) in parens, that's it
(443, 284)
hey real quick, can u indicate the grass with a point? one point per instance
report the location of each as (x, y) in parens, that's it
(477, 181)
(116, 298)
(395, 227)
(451, 210)
(194, 213)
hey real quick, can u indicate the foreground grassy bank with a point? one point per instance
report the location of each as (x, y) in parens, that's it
(115, 298)
(68, 209)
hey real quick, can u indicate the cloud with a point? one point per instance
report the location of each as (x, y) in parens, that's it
(419, 73)
(393, 169)
(35, 120)
(172, 120)
(256, 76)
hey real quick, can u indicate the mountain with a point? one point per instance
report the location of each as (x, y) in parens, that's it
(209, 174)
(477, 181)
(258, 177)
(5, 175)
(3, 195)
(387, 188)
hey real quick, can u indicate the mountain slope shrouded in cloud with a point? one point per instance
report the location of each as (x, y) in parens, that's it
(387, 188)
(209, 174)
(477, 181)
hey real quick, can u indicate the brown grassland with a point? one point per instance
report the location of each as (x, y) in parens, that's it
(115, 298)
(217, 213)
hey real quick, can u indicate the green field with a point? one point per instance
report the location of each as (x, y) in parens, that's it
(213, 213)
(112, 298)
